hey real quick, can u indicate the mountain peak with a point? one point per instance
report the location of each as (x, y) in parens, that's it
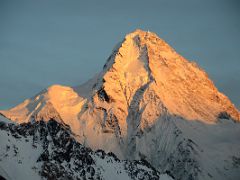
(142, 33)
(143, 60)
(140, 48)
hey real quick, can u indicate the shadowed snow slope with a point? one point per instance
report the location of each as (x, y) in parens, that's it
(150, 103)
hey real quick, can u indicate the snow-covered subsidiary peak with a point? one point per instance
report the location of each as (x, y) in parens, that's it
(149, 103)
(57, 102)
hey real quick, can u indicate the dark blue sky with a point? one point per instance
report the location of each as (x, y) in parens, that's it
(66, 42)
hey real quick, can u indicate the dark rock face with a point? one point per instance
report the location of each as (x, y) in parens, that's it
(2, 178)
(62, 157)
(135, 172)
(224, 115)
(103, 95)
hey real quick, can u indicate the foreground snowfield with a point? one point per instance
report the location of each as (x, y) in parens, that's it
(148, 103)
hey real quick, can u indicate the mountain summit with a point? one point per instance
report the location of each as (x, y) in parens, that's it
(144, 61)
(147, 103)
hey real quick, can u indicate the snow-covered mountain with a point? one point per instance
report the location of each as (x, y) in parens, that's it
(147, 103)
(48, 150)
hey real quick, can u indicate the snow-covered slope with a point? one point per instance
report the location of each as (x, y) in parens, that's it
(148, 102)
(190, 149)
(48, 150)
